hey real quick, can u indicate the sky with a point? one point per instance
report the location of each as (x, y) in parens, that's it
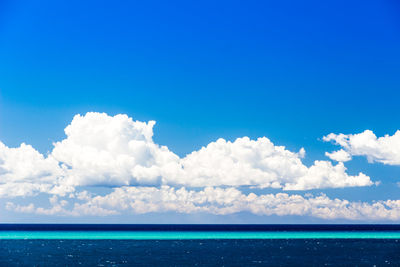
(200, 112)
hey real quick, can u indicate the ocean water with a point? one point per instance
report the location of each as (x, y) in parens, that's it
(190, 235)
(199, 245)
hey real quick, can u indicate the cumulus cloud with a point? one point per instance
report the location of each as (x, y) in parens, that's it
(102, 150)
(113, 151)
(260, 163)
(223, 201)
(385, 149)
(340, 155)
(25, 172)
(26, 164)
(220, 201)
(119, 153)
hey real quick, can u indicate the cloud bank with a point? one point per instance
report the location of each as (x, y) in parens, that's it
(100, 150)
(220, 201)
(119, 153)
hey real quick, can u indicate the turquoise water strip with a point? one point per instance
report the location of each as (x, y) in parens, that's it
(167, 235)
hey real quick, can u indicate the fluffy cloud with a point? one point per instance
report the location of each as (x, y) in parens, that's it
(25, 172)
(260, 163)
(117, 151)
(101, 150)
(224, 201)
(384, 149)
(340, 155)
(26, 164)
(218, 201)
(120, 153)
(113, 151)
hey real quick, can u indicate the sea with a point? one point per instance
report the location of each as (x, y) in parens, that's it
(198, 245)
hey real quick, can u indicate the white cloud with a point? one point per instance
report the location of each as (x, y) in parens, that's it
(60, 207)
(384, 149)
(117, 152)
(340, 155)
(114, 151)
(26, 164)
(102, 150)
(220, 201)
(260, 163)
(25, 172)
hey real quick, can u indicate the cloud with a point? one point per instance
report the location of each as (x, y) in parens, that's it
(60, 208)
(219, 201)
(26, 172)
(262, 164)
(223, 201)
(26, 164)
(120, 153)
(114, 151)
(117, 151)
(19, 208)
(384, 149)
(340, 155)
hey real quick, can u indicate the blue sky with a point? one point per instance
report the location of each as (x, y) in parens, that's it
(288, 70)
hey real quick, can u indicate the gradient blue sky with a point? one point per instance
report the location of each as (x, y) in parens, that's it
(293, 71)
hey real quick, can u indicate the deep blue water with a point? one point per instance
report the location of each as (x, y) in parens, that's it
(201, 252)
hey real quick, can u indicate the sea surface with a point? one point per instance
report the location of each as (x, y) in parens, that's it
(199, 245)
